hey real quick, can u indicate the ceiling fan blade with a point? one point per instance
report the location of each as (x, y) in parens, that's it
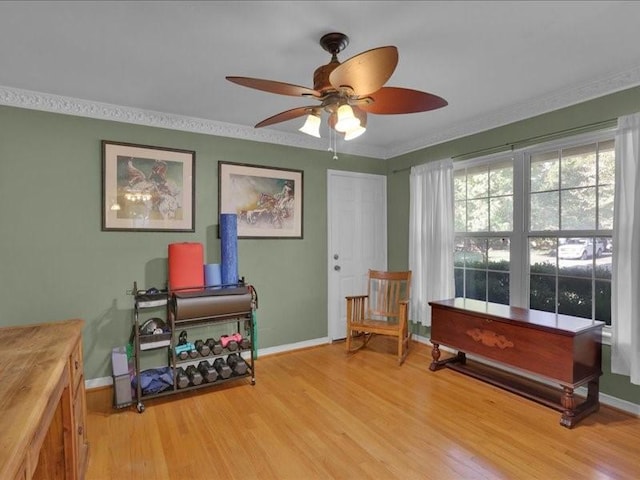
(275, 87)
(367, 72)
(286, 115)
(392, 100)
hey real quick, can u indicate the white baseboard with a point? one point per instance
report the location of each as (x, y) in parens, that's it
(618, 403)
(293, 346)
(106, 381)
(614, 402)
(98, 382)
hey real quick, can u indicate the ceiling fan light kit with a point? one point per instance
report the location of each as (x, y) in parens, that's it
(346, 119)
(347, 91)
(312, 125)
(354, 132)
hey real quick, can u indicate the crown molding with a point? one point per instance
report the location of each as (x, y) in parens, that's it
(15, 97)
(528, 109)
(20, 98)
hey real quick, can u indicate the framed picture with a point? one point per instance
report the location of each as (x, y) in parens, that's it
(147, 188)
(267, 200)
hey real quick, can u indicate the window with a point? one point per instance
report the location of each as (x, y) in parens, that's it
(570, 225)
(534, 229)
(483, 222)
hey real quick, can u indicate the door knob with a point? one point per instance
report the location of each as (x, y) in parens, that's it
(337, 268)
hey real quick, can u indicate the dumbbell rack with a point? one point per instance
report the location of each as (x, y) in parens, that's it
(203, 307)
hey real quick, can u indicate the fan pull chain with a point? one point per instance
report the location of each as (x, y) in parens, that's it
(335, 144)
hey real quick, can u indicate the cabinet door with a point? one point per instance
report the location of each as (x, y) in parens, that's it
(51, 449)
(76, 367)
(80, 432)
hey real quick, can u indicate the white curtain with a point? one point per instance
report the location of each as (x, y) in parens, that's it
(625, 281)
(431, 237)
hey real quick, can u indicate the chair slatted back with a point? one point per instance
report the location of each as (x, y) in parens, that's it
(386, 290)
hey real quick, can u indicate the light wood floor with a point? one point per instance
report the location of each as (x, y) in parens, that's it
(320, 414)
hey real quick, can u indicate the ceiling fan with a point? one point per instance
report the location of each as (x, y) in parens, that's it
(347, 91)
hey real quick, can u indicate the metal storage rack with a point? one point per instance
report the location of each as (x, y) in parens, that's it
(155, 302)
(230, 305)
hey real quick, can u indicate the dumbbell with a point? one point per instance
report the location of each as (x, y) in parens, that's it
(183, 347)
(245, 344)
(202, 348)
(214, 346)
(194, 375)
(237, 364)
(222, 368)
(209, 373)
(182, 355)
(182, 380)
(183, 350)
(230, 342)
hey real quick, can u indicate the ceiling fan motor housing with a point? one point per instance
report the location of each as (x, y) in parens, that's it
(321, 77)
(333, 43)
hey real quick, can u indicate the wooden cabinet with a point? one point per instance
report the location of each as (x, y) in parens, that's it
(555, 349)
(42, 429)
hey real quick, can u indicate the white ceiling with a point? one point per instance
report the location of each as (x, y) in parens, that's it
(164, 63)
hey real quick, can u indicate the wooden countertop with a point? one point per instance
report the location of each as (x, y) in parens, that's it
(33, 359)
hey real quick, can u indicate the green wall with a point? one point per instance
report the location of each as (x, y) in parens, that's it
(56, 263)
(587, 113)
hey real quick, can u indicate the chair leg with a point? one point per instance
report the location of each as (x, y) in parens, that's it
(348, 339)
(403, 345)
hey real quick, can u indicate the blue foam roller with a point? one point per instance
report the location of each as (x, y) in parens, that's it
(229, 248)
(212, 274)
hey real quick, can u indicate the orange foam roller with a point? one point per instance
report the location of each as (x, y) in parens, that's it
(185, 269)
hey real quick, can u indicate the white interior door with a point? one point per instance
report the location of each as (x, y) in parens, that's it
(357, 238)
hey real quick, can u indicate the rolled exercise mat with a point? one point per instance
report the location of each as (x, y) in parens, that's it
(212, 275)
(185, 265)
(229, 248)
(215, 303)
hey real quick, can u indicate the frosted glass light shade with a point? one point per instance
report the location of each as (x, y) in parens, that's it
(346, 119)
(354, 132)
(311, 126)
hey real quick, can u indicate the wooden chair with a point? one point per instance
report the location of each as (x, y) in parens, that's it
(382, 311)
